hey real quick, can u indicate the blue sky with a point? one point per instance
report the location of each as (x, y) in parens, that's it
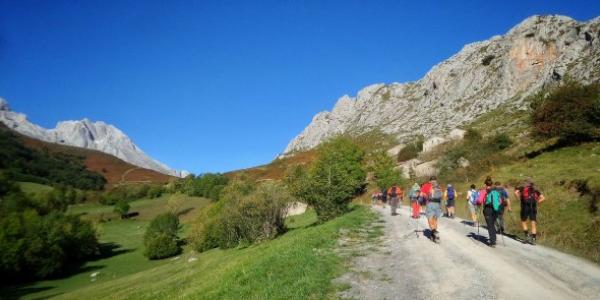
(222, 85)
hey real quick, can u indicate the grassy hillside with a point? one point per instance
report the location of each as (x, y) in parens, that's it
(298, 265)
(113, 169)
(33, 188)
(121, 246)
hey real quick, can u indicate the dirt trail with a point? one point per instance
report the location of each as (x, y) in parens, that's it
(462, 266)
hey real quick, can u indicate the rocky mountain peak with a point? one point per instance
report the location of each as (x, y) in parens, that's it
(503, 70)
(4, 105)
(85, 134)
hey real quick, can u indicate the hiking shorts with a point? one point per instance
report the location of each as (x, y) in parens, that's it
(472, 207)
(422, 201)
(528, 212)
(450, 203)
(434, 209)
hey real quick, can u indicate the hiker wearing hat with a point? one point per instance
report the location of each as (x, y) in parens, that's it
(530, 198)
(434, 209)
(449, 195)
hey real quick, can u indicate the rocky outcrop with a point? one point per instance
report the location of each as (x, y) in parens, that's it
(85, 134)
(432, 142)
(540, 51)
(426, 169)
(393, 152)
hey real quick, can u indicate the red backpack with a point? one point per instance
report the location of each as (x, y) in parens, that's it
(529, 194)
(481, 197)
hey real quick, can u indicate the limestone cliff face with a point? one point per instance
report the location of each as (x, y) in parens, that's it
(540, 51)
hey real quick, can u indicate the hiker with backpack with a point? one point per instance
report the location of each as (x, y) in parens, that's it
(383, 197)
(530, 198)
(471, 203)
(449, 195)
(413, 197)
(434, 209)
(394, 194)
(491, 202)
(505, 205)
(425, 191)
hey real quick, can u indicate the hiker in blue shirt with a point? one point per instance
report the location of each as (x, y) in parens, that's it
(450, 195)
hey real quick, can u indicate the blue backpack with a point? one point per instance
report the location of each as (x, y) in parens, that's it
(474, 196)
(450, 192)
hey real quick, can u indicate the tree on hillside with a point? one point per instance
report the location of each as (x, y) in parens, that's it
(161, 239)
(570, 112)
(122, 208)
(382, 166)
(333, 180)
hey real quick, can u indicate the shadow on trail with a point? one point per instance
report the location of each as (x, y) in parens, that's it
(427, 233)
(515, 237)
(478, 237)
(468, 223)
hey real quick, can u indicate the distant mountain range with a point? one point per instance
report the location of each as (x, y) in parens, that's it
(86, 134)
(539, 52)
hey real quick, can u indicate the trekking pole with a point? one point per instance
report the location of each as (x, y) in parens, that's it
(477, 214)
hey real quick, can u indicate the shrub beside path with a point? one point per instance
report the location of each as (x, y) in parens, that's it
(462, 266)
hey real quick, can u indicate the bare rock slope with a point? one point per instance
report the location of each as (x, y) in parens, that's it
(540, 51)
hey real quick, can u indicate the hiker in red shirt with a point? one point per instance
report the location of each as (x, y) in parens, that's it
(424, 197)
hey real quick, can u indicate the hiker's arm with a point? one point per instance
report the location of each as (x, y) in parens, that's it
(541, 199)
(509, 204)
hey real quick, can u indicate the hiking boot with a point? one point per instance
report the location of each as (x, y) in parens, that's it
(493, 245)
(532, 239)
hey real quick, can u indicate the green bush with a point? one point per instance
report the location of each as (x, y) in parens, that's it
(570, 112)
(207, 185)
(333, 180)
(130, 192)
(122, 208)
(482, 153)
(37, 242)
(161, 245)
(160, 239)
(382, 167)
(500, 141)
(243, 217)
(411, 150)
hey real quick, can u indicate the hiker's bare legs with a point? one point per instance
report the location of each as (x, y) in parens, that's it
(533, 227)
(524, 225)
(473, 217)
(432, 223)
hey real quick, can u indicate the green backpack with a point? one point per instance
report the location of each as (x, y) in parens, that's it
(495, 199)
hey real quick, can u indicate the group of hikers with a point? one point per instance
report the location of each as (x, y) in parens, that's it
(492, 200)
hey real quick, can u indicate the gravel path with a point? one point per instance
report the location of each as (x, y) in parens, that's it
(462, 266)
